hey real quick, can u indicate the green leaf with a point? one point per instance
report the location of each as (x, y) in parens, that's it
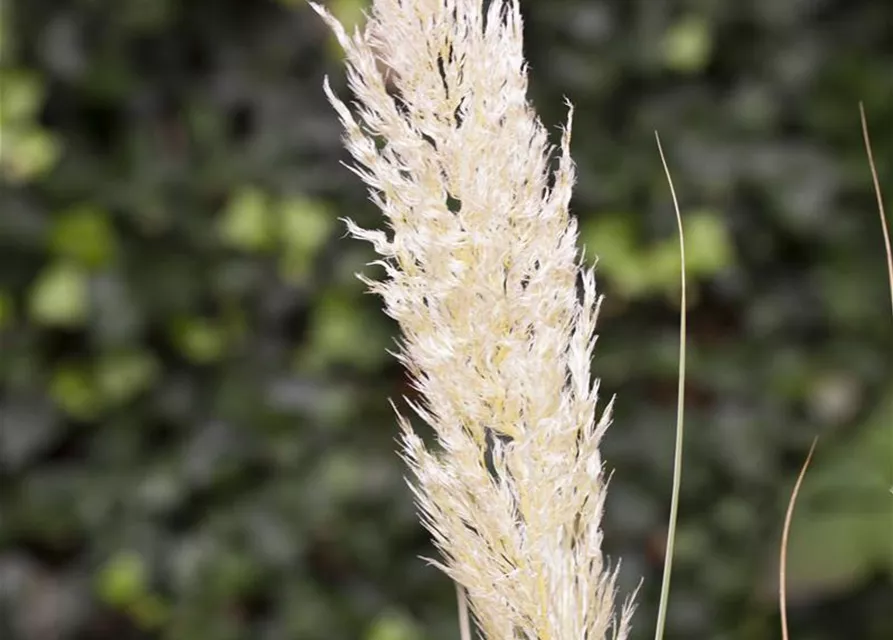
(21, 97)
(688, 45)
(611, 240)
(26, 154)
(73, 388)
(85, 235)
(59, 296)
(304, 227)
(247, 222)
(123, 580)
(340, 333)
(637, 271)
(305, 223)
(122, 376)
(394, 626)
(707, 244)
(200, 340)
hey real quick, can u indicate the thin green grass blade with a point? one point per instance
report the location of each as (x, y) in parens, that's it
(680, 411)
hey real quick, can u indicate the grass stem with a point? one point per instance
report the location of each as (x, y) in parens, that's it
(680, 410)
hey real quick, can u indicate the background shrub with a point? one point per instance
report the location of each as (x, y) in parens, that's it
(194, 438)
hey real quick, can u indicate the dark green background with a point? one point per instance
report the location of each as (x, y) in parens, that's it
(195, 439)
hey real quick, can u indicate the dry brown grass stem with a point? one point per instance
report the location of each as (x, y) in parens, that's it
(785, 534)
(880, 199)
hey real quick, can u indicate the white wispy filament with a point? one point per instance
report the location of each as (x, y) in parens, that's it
(482, 272)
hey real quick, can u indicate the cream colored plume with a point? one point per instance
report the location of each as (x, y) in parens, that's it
(482, 275)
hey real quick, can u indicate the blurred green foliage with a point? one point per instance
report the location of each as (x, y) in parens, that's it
(851, 528)
(638, 272)
(26, 149)
(195, 440)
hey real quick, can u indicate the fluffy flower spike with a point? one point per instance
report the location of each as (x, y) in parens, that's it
(481, 275)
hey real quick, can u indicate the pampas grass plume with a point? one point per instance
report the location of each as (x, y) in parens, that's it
(482, 275)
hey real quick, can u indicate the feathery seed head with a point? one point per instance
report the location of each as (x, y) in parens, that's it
(481, 275)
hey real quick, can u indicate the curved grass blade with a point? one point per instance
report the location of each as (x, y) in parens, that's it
(880, 199)
(783, 553)
(680, 410)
